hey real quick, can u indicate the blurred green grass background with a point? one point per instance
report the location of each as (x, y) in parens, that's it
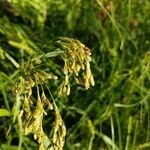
(115, 113)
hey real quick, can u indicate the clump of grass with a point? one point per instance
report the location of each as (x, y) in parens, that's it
(37, 71)
(31, 102)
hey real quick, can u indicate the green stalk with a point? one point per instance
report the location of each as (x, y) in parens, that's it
(129, 134)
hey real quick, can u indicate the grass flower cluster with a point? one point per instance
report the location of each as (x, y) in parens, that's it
(56, 92)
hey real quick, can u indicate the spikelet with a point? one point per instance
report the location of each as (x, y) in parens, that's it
(76, 58)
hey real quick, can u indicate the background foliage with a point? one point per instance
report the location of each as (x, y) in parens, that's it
(115, 113)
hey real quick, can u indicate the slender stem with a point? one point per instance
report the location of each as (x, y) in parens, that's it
(112, 132)
(135, 134)
(119, 129)
(129, 134)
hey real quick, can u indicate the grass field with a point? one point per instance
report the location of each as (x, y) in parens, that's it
(75, 74)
